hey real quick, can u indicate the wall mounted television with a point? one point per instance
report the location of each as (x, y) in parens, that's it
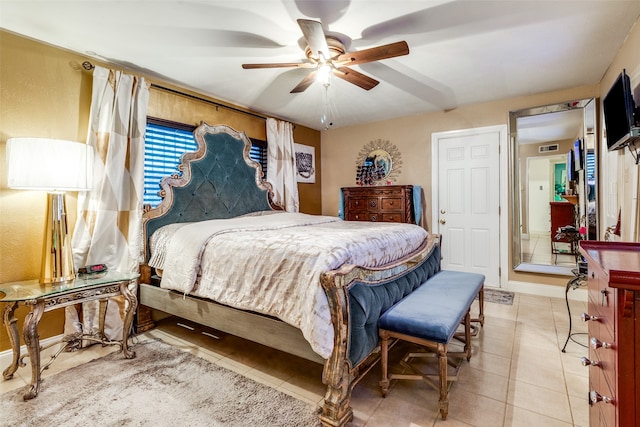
(572, 174)
(578, 155)
(619, 111)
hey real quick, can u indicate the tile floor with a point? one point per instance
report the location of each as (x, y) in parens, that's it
(517, 375)
(536, 249)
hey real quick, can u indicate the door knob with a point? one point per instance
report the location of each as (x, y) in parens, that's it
(443, 221)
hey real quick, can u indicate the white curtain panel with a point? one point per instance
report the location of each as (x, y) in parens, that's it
(109, 225)
(281, 164)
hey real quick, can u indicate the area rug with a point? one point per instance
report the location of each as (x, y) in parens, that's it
(498, 296)
(162, 386)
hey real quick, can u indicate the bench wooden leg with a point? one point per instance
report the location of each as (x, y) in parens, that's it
(467, 335)
(444, 386)
(384, 361)
(480, 318)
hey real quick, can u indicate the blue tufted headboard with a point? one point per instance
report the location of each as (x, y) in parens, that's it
(219, 180)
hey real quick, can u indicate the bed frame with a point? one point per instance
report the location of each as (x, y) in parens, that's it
(219, 180)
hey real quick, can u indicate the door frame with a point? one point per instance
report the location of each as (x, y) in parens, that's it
(503, 259)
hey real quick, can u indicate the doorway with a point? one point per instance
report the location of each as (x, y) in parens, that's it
(467, 196)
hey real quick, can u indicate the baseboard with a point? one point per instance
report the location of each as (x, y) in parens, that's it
(6, 356)
(579, 294)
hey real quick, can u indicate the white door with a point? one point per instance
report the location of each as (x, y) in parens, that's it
(467, 203)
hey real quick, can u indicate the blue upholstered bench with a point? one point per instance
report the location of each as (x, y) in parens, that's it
(429, 317)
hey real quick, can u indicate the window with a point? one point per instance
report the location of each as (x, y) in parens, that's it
(165, 143)
(259, 153)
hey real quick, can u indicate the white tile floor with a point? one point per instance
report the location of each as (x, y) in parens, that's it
(536, 249)
(517, 375)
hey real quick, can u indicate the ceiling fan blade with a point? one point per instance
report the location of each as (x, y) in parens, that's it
(355, 77)
(314, 35)
(373, 54)
(278, 65)
(305, 83)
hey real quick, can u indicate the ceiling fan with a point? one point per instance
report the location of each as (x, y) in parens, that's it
(326, 54)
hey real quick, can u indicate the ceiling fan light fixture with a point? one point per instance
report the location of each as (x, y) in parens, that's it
(324, 75)
(326, 55)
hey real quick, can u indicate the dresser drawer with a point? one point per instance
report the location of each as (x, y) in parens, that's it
(389, 204)
(359, 204)
(601, 299)
(605, 355)
(392, 217)
(363, 216)
(601, 410)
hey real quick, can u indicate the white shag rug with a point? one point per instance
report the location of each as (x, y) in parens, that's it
(162, 386)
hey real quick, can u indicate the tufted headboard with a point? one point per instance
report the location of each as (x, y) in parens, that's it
(217, 181)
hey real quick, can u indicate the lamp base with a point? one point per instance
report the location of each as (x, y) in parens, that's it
(57, 255)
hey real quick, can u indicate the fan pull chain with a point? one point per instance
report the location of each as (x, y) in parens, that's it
(326, 119)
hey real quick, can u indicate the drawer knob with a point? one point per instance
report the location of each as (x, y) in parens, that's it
(588, 362)
(595, 397)
(596, 344)
(586, 317)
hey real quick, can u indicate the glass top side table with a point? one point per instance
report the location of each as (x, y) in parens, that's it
(41, 298)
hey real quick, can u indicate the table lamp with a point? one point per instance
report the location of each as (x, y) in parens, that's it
(54, 166)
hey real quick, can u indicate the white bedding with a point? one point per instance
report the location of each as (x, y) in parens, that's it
(272, 264)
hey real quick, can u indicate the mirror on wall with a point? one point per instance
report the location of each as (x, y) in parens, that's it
(553, 184)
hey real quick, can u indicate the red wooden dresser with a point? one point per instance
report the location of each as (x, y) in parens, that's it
(614, 332)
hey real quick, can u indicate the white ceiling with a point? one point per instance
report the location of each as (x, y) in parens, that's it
(461, 52)
(550, 127)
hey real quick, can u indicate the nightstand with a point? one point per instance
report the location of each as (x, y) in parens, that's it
(41, 298)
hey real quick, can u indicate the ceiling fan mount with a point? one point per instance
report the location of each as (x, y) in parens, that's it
(335, 46)
(323, 49)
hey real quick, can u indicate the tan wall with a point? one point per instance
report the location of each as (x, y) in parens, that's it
(45, 93)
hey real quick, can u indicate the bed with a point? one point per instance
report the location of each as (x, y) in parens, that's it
(315, 287)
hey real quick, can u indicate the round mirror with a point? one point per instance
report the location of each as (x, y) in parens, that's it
(378, 163)
(381, 160)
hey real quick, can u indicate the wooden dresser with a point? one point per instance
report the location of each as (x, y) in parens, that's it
(388, 203)
(614, 332)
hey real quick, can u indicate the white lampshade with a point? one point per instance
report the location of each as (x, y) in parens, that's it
(54, 166)
(49, 164)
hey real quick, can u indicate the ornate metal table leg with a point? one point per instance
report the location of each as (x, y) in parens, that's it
(31, 339)
(102, 316)
(12, 330)
(131, 305)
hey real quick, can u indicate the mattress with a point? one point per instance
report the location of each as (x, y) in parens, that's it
(272, 263)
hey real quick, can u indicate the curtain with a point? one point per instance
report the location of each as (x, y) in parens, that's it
(281, 164)
(109, 225)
